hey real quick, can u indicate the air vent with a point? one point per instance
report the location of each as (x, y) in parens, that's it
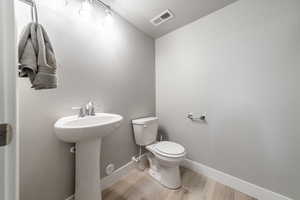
(162, 17)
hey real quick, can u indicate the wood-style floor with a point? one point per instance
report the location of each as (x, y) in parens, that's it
(138, 185)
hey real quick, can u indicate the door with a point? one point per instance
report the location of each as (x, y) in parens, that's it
(8, 108)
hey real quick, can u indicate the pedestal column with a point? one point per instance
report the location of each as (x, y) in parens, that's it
(87, 186)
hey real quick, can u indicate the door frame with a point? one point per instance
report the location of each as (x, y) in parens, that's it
(8, 92)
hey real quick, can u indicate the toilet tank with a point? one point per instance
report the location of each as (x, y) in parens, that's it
(145, 130)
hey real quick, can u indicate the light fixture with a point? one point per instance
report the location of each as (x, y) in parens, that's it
(86, 7)
(108, 20)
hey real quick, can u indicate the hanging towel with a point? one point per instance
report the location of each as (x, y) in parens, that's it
(27, 52)
(36, 57)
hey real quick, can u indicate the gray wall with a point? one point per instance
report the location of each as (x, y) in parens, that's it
(240, 65)
(113, 67)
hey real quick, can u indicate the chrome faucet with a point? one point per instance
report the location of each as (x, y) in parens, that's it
(81, 111)
(86, 110)
(90, 109)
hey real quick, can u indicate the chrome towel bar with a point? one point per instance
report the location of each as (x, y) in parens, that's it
(198, 118)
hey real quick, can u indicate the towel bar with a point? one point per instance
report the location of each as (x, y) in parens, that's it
(193, 118)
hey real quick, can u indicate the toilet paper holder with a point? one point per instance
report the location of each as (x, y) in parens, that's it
(192, 117)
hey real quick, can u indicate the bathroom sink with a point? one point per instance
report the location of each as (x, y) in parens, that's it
(87, 133)
(73, 128)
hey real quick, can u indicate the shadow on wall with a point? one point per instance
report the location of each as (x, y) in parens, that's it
(162, 134)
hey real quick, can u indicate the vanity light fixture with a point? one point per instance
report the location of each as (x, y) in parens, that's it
(108, 20)
(86, 7)
(108, 12)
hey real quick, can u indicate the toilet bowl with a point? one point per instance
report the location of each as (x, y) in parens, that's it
(164, 159)
(164, 156)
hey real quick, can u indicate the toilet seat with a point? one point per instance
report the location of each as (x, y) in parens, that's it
(169, 149)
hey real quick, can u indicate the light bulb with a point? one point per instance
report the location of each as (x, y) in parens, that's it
(85, 8)
(108, 20)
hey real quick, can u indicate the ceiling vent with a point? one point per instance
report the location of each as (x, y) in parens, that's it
(162, 17)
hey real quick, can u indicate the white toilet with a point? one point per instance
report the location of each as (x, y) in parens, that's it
(164, 157)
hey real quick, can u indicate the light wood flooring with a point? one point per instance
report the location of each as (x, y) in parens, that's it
(138, 185)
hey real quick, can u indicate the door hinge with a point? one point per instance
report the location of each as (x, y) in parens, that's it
(5, 134)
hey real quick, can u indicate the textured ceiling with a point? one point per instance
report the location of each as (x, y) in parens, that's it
(139, 12)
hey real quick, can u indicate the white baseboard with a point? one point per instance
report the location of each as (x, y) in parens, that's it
(233, 182)
(72, 197)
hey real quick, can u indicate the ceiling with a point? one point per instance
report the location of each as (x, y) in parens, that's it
(139, 12)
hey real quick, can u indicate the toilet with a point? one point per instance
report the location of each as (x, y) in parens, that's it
(164, 156)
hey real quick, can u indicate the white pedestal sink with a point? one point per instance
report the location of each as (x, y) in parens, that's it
(87, 132)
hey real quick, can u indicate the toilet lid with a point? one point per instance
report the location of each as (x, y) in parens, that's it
(169, 148)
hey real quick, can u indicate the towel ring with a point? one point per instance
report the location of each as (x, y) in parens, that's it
(34, 12)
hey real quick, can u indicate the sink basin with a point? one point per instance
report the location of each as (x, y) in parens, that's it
(73, 128)
(87, 133)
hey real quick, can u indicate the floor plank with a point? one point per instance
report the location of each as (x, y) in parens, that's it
(138, 185)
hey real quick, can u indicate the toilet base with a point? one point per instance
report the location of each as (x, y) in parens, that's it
(168, 176)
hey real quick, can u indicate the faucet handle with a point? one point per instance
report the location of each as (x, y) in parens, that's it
(76, 108)
(81, 111)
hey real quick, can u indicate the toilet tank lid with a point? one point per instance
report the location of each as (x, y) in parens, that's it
(144, 120)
